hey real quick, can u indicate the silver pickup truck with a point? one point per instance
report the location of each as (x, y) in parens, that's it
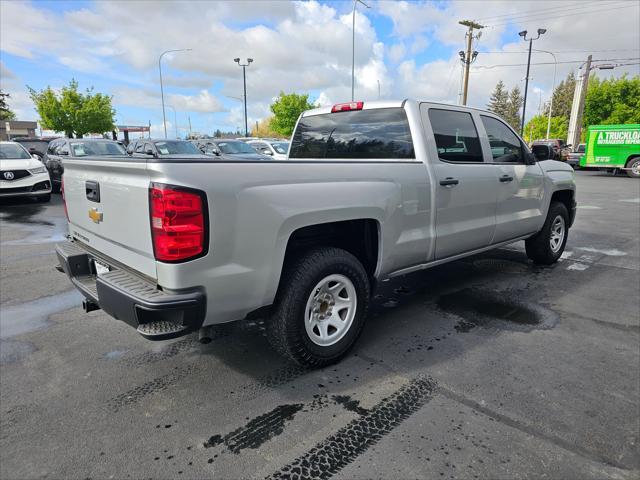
(369, 191)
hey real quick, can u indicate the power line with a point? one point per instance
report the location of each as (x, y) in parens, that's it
(484, 19)
(537, 17)
(559, 10)
(488, 67)
(576, 51)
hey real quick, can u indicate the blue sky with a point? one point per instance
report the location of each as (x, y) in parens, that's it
(409, 47)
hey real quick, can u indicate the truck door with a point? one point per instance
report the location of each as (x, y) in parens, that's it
(519, 186)
(465, 186)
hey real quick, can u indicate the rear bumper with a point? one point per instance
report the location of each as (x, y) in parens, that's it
(155, 313)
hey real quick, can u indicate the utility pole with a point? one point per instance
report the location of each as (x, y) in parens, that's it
(468, 56)
(577, 107)
(353, 46)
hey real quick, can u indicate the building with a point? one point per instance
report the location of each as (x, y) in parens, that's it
(16, 128)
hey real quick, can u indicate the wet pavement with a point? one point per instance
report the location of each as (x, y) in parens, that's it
(489, 367)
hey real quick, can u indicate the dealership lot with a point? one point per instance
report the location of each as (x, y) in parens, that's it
(488, 367)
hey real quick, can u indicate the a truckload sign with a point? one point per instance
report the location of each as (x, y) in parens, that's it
(619, 138)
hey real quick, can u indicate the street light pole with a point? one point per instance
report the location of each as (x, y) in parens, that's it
(353, 47)
(553, 87)
(523, 34)
(164, 119)
(244, 81)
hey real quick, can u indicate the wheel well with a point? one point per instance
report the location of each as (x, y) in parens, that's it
(566, 197)
(358, 237)
(631, 157)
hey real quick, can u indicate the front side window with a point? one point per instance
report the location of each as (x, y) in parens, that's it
(505, 145)
(280, 147)
(13, 151)
(361, 134)
(456, 136)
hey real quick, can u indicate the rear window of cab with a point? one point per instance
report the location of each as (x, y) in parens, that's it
(381, 133)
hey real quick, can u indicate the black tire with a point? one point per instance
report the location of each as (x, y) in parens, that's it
(286, 328)
(539, 247)
(633, 163)
(44, 198)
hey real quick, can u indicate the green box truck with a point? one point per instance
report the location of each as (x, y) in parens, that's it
(613, 146)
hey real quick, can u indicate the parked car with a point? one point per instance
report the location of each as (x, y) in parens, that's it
(162, 148)
(63, 148)
(370, 191)
(35, 145)
(574, 157)
(277, 149)
(238, 149)
(22, 174)
(560, 147)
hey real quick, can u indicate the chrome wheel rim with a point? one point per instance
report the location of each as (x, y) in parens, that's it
(635, 168)
(557, 234)
(330, 310)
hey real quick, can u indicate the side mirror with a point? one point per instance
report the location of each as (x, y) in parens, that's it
(267, 152)
(36, 157)
(542, 152)
(149, 151)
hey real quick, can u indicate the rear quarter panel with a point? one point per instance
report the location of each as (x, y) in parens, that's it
(254, 207)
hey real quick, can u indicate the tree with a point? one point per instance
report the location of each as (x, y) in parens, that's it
(514, 105)
(72, 112)
(499, 101)
(612, 101)
(5, 111)
(286, 110)
(536, 128)
(562, 97)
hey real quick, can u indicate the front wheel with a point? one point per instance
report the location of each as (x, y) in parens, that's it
(320, 307)
(546, 246)
(634, 167)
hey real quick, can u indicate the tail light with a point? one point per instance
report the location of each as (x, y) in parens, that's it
(178, 222)
(347, 107)
(64, 200)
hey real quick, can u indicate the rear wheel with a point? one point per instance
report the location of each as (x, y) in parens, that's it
(320, 308)
(546, 246)
(634, 167)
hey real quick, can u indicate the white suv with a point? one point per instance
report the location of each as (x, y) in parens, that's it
(21, 174)
(278, 149)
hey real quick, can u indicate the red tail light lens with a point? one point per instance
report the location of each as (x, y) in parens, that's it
(347, 107)
(178, 222)
(64, 200)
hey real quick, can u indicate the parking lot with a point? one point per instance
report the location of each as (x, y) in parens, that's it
(488, 367)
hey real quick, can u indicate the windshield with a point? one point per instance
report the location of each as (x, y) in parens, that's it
(281, 147)
(177, 147)
(233, 148)
(82, 149)
(13, 151)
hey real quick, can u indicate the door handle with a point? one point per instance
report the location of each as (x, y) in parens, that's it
(506, 178)
(449, 181)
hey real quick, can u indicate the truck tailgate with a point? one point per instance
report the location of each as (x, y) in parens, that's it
(108, 206)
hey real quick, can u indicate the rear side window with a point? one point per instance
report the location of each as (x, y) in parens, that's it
(360, 134)
(505, 145)
(456, 136)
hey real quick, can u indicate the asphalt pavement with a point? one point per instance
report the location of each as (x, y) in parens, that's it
(488, 367)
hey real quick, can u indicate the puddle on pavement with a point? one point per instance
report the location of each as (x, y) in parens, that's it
(31, 316)
(22, 214)
(503, 310)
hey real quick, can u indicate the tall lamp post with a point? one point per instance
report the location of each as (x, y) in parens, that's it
(164, 119)
(523, 34)
(553, 87)
(353, 47)
(244, 80)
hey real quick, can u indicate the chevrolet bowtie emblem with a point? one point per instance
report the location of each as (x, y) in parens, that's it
(95, 215)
